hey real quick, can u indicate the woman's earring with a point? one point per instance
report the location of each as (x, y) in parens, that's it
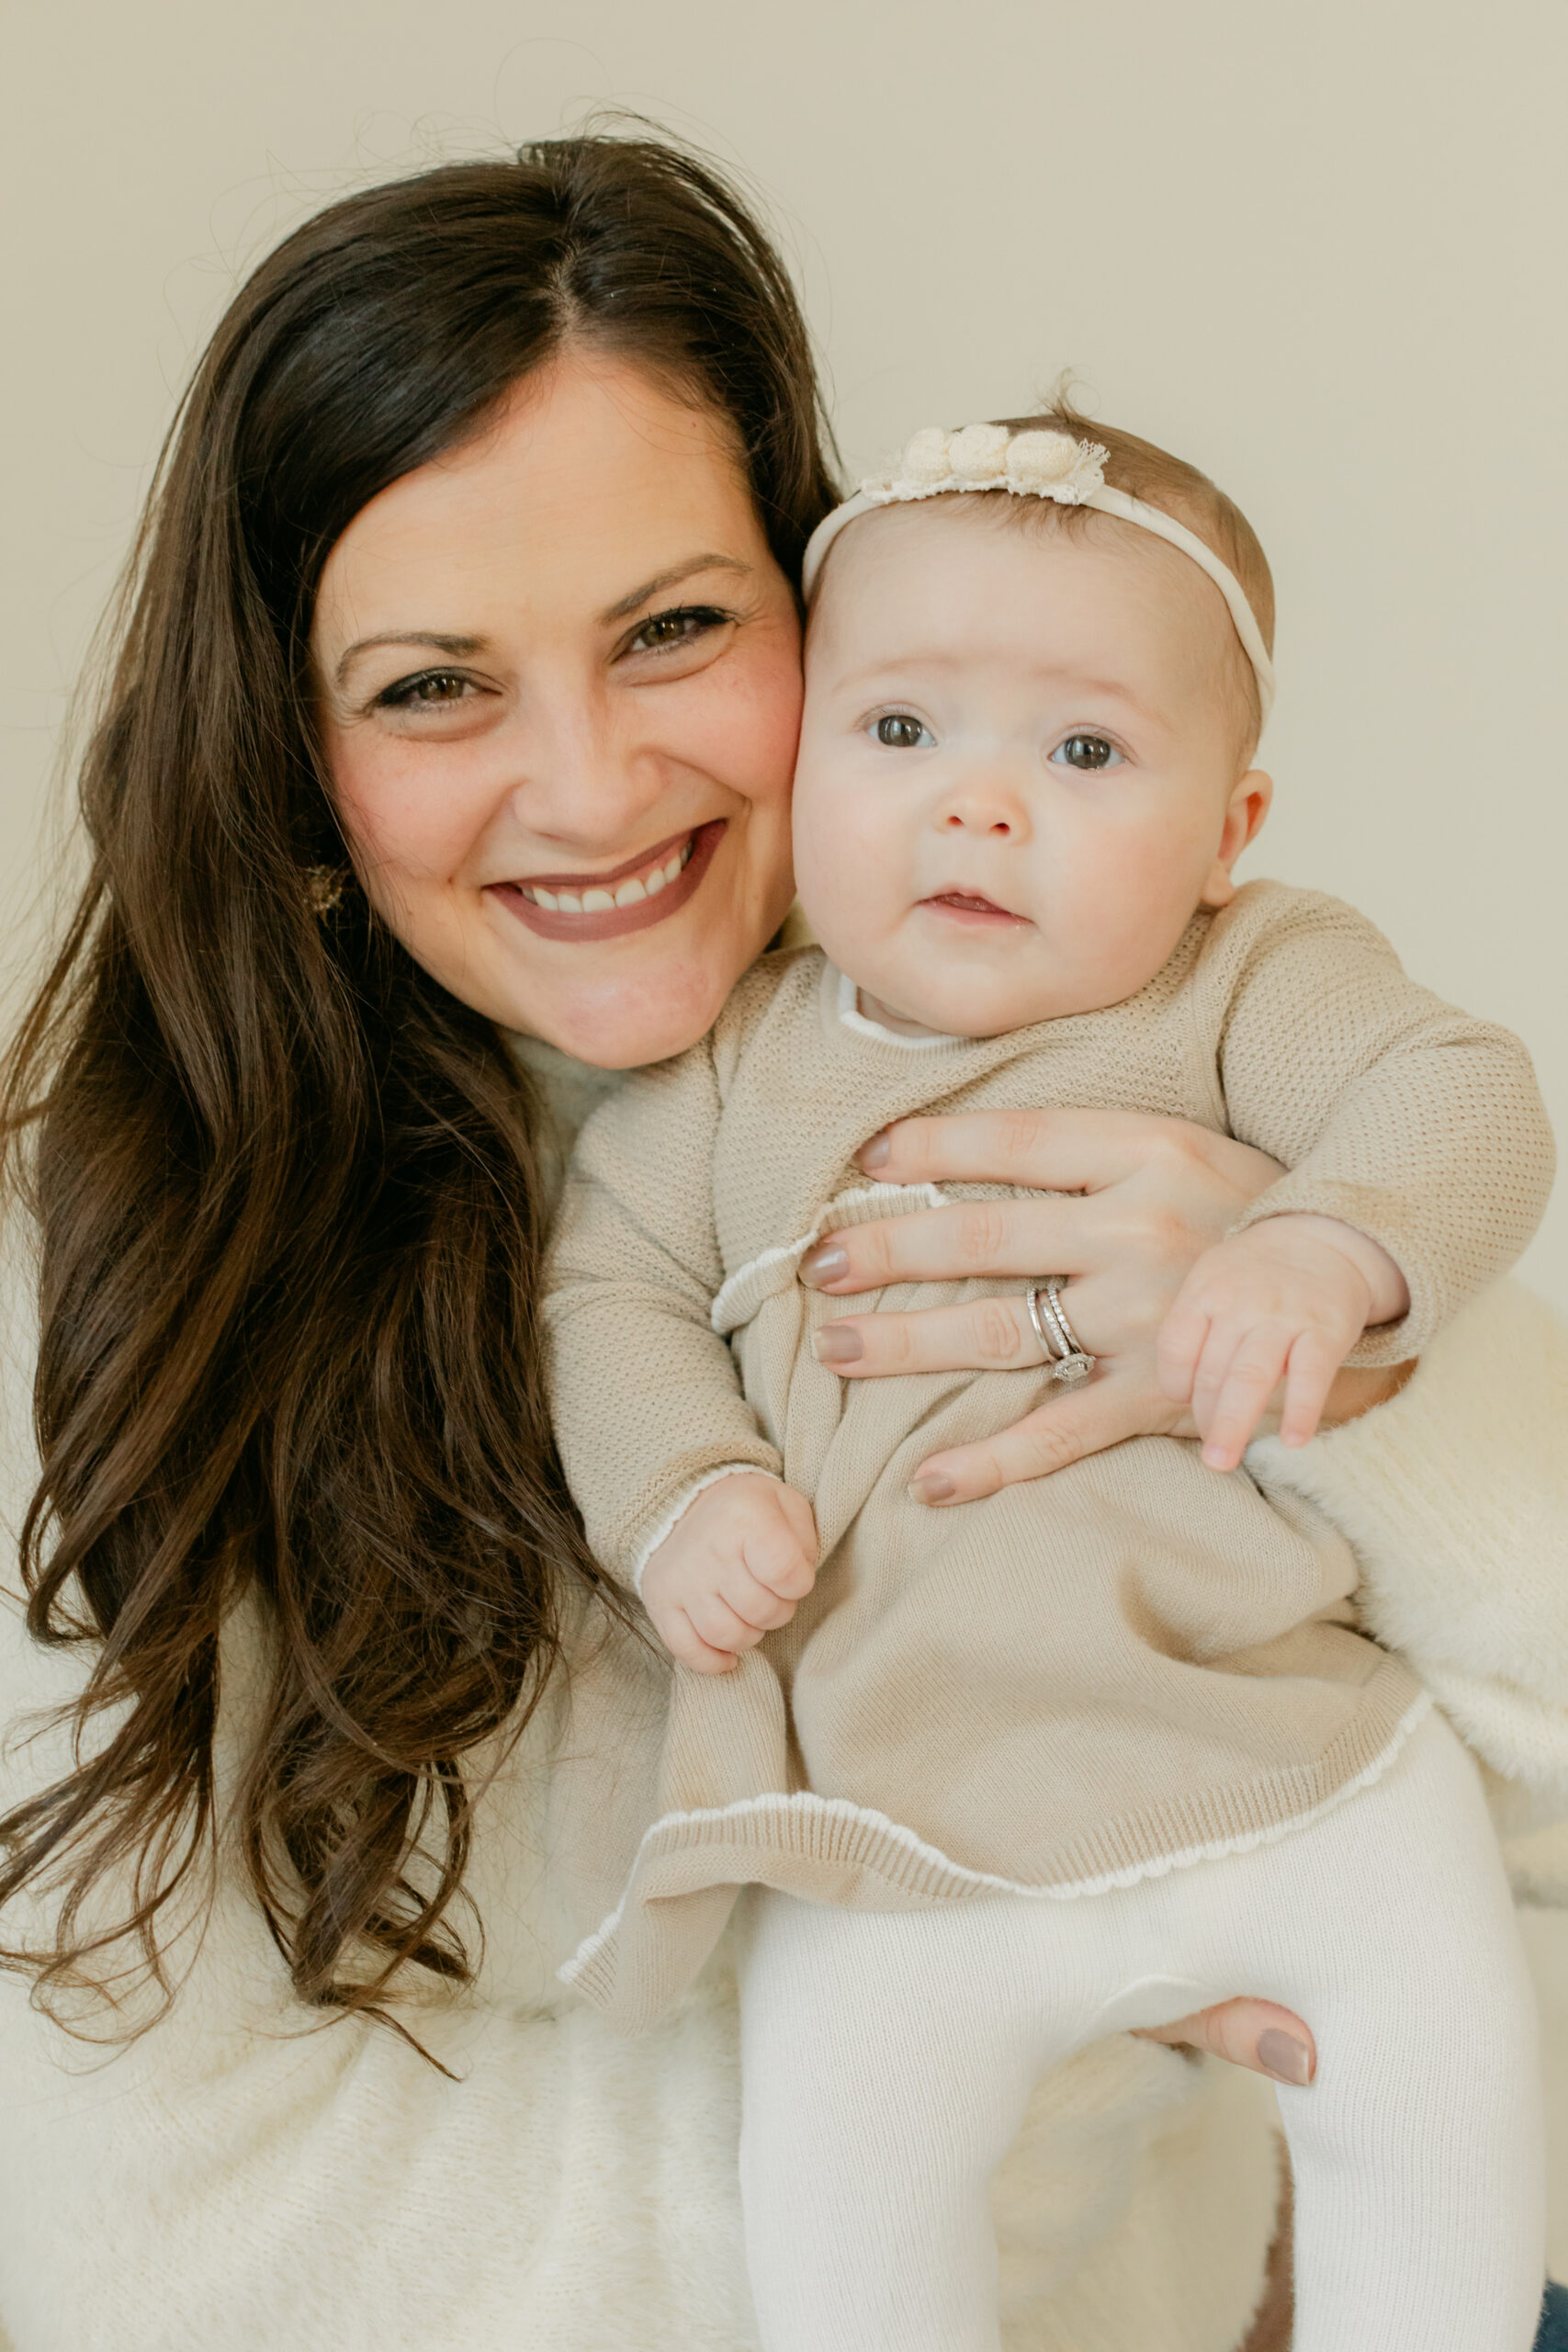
(324, 887)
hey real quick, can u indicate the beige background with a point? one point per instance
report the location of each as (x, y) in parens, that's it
(1317, 249)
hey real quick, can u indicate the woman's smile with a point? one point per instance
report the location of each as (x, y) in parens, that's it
(633, 895)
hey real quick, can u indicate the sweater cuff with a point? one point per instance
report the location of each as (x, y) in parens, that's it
(682, 1504)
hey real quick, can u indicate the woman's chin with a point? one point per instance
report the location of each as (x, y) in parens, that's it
(635, 1017)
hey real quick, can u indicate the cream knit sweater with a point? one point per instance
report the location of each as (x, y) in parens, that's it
(243, 2180)
(1069, 1684)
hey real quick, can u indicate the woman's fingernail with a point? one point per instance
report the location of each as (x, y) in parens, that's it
(875, 1154)
(823, 1265)
(835, 1343)
(1288, 2060)
(931, 1487)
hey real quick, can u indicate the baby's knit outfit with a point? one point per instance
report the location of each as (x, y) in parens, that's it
(1076, 1684)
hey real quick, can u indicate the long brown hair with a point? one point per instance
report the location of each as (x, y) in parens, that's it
(286, 1189)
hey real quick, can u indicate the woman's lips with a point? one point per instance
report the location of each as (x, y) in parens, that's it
(591, 907)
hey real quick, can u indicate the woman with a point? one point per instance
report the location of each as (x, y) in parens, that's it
(457, 696)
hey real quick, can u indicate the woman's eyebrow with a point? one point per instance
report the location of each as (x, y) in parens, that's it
(626, 606)
(459, 645)
(619, 611)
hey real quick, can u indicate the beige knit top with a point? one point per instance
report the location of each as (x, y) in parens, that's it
(1072, 1683)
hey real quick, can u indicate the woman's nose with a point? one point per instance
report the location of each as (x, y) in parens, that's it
(585, 783)
(984, 801)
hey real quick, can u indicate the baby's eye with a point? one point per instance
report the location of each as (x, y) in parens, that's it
(1087, 753)
(902, 733)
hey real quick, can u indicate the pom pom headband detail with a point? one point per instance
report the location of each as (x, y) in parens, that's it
(1035, 464)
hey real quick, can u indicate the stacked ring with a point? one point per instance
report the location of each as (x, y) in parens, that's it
(1069, 1360)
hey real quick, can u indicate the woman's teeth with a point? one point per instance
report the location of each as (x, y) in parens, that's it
(629, 893)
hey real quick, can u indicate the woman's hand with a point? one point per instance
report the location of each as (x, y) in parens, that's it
(1257, 2034)
(1151, 1194)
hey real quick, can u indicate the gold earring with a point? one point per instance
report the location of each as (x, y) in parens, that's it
(324, 887)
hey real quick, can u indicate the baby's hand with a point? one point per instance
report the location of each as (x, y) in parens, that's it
(1287, 1299)
(732, 1568)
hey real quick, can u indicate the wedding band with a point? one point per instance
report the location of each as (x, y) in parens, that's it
(1068, 1359)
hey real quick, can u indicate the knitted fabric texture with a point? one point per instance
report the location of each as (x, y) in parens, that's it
(1073, 1683)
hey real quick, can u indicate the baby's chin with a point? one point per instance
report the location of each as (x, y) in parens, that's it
(986, 984)
(957, 1009)
(978, 1001)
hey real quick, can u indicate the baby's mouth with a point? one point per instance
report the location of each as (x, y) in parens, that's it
(971, 907)
(644, 891)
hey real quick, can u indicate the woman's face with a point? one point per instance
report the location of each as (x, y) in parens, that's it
(559, 683)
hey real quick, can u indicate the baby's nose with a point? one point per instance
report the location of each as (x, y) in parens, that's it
(959, 822)
(986, 803)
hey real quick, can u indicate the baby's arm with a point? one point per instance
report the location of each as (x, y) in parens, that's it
(1419, 1160)
(648, 1414)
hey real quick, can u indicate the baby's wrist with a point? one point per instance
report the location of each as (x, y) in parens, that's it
(1388, 1293)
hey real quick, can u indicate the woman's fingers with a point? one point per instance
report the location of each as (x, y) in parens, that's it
(1121, 1204)
(1180, 1349)
(1064, 1428)
(1258, 2034)
(1024, 1238)
(983, 1334)
(1058, 1151)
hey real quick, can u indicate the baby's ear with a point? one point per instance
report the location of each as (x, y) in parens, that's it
(1245, 812)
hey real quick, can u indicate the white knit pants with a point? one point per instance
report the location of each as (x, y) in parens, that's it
(889, 2058)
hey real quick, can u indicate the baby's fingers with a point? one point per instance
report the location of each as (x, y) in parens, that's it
(1309, 1377)
(720, 1627)
(685, 1644)
(1235, 1379)
(780, 1549)
(757, 1604)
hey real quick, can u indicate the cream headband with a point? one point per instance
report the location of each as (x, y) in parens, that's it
(1036, 465)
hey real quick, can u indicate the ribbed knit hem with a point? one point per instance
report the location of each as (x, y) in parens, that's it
(827, 1849)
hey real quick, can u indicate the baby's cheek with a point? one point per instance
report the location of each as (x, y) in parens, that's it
(846, 857)
(1129, 902)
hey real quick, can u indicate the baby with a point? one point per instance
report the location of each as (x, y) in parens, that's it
(1086, 1753)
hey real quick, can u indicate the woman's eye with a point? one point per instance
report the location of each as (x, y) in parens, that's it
(1087, 753)
(428, 691)
(667, 629)
(900, 732)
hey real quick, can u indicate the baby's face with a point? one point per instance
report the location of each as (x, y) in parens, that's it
(1019, 769)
